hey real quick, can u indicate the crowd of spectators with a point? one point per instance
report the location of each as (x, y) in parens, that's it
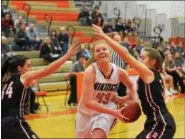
(8, 26)
(56, 44)
(84, 17)
(33, 38)
(87, 19)
(175, 65)
(26, 38)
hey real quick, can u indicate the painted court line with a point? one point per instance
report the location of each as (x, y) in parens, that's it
(47, 115)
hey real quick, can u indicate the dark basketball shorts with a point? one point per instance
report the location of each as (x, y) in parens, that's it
(15, 128)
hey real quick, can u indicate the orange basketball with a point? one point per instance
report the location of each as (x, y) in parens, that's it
(132, 111)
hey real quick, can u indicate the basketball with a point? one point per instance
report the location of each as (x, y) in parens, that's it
(132, 111)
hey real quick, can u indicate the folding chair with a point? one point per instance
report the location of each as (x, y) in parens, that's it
(42, 94)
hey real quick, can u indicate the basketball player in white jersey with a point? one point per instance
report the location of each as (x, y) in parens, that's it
(97, 113)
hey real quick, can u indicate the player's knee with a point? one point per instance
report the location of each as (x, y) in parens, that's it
(98, 133)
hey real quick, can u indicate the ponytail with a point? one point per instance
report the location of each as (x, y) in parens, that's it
(10, 65)
(5, 67)
(162, 55)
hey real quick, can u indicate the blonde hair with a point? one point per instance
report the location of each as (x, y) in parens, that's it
(99, 42)
(94, 44)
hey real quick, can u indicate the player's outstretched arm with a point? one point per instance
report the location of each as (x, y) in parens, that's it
(28, 77)
(145, 73)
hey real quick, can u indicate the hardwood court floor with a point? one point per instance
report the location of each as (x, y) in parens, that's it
(60, 121)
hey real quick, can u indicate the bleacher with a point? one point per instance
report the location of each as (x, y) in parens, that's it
(64, 13)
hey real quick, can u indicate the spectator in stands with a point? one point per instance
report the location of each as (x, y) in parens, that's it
(8, 25)
(55, 42)
(18, 23)
(84, 17)
(47, 51)
(4, 49)
(63, 39)
(179, 48)
(108, 28)
(21, 39)
(129, 28)
(140, 46)
(179, 62)
(33, 38)
(172, 48)
(167, 49)
(54, 36)
(83, 51)
(119, 27)
(78, 66)
(168, 81)
(126, 43)
(172, 70)
(97, 17)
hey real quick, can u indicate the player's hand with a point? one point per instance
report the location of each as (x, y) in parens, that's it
(74, 47)
(34, 83)
(119, 115)
(121, 100)
(98, 31)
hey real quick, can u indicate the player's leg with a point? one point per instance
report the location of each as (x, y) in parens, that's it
(82, 126)
(162, 133)
(26, 130)
(6, 127)
(149, 134)
(142, 135)
(170, 127)
(98, 133)
(14, 128)
(101, 125)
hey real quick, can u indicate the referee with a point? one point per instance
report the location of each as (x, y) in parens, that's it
(116, 59)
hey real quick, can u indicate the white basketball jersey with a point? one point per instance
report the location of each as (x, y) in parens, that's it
(104, 89)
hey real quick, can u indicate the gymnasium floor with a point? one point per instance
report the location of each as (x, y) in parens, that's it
(60, 121)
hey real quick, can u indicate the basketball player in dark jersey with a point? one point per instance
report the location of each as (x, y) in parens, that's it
(16, 80)
(160, 123)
